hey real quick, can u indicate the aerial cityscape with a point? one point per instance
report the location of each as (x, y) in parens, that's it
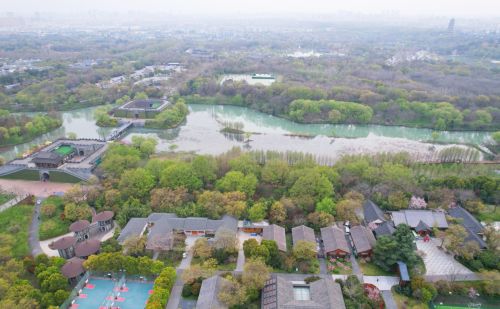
(271, 154)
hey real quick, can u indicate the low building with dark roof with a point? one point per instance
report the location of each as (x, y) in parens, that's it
(412, 218)
(281, 293)
(134, 227)
(372, 213)
(363, 240)
(104, 221)
(87, 248)
(47, 159)
(422, 228)
(81, 228)
(161, 228)
(209, 291)
(473, 227)
(404, 275)
(303, 233)
(384, 229)
(334, 242)
(276, 233)
(73, 269)
(65, 246)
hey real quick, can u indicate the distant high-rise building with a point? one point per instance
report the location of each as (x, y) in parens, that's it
(451, 26)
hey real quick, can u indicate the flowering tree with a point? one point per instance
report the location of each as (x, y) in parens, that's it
(417, 203)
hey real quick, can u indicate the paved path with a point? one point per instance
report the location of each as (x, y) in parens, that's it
(383, 283)
(186, 261)
(241, 260)
(356, 270)
(390, 303)
(33, 232)
(439, 263)
(12, 202)
(322, 266)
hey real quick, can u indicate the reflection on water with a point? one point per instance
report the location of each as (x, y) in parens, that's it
(202, 133)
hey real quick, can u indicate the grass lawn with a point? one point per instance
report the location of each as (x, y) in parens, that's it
(54, 225)
(5, 197)
(24, 175)
(15, 223)
(371, 269)
(491, 213)
(405, 302)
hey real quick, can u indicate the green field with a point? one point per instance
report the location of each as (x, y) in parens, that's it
(14, 229)
(64, 150)
(5, 197)
(55, 176)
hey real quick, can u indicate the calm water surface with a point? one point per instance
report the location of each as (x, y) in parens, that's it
(201, 133)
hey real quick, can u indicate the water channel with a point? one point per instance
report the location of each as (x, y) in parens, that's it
(201, 133)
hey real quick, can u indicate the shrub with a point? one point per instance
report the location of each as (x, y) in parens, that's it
(48, 210)
(187, 290)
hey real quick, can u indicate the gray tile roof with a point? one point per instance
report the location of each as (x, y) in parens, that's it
(135, 226)
(47, 157)
(304, 233)
(384, 229)
(471, 236)
(372, 212)
(195, 224)
(276, 233)
(413, 217)
(208, 298)
(403, 271)
(362, 238)
(467, 218)
(162, 225)
(334, 239)
(422, 227)
(324, 294)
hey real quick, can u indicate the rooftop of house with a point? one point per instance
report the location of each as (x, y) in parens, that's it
(47, 157)
(87, 247)
(468, 220)
(208, 298)
(134, 227)
(363, 238)
(162, 224)
(63, 243)
(276, 233)
(384, 229)
(79, 226)
(372, 212)
(334, 239)
(413, 217)
(403, 271)
(280, 292)
(303, 233)
(103, 216)
(73, 268)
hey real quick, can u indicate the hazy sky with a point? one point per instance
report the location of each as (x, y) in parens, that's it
(456, 8)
